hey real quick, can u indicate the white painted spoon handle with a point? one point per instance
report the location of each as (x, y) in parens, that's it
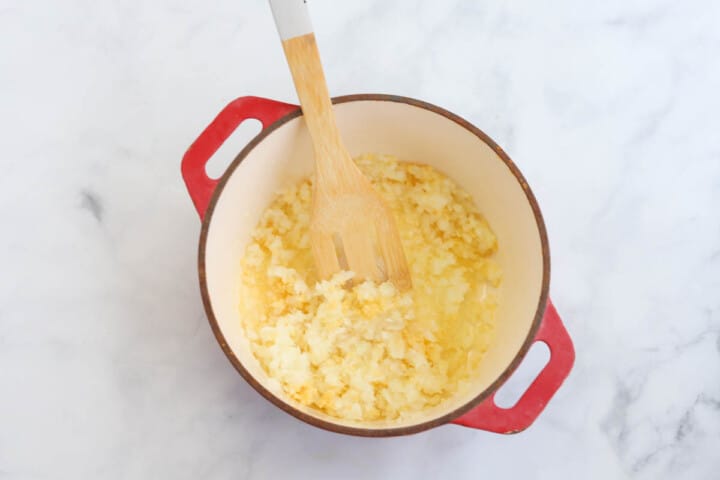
(291, 18)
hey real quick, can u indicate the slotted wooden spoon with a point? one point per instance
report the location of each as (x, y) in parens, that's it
(350, 223)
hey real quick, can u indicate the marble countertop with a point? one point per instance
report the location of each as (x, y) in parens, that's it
(108, 368)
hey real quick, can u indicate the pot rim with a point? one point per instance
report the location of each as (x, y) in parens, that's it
(362, 431)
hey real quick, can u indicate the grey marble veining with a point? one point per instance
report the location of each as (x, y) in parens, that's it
(108, 368)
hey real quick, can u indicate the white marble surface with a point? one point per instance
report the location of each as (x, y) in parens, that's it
(108, 368)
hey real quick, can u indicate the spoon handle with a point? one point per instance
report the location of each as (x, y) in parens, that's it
(295, 29)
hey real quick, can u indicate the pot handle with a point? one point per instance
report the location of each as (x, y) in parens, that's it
(199, 185)
(488, 416)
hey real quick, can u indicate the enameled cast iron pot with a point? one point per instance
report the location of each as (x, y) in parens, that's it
(281, 154)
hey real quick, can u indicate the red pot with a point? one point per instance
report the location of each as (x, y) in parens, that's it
(281, 154)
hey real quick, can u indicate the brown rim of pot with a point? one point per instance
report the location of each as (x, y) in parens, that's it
(379, 432)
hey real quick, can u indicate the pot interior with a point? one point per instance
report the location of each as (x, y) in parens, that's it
(412, 133)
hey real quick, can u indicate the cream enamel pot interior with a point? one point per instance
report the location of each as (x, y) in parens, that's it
(412, 130)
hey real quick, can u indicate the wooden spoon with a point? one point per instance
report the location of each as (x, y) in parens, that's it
(350, 223)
